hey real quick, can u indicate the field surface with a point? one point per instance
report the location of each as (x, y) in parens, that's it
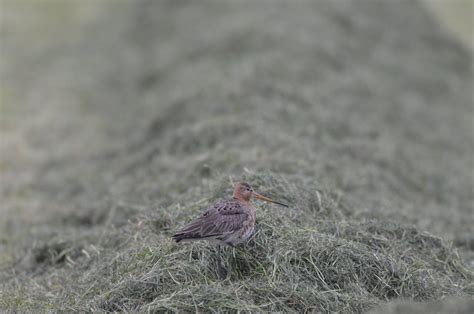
(122, 120)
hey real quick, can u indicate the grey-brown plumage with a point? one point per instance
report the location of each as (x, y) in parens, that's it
(227, 222)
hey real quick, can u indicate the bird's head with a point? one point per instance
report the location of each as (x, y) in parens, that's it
(243, 191)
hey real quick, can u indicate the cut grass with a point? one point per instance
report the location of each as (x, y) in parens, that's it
(354, 113)
(306, 262)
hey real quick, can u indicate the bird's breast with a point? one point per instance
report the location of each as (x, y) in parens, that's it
(249, 225)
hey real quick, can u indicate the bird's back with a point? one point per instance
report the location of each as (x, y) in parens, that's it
(228, 221)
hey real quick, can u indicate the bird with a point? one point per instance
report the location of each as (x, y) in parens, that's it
(228, 222)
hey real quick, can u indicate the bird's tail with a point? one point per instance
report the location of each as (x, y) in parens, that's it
(178, 237)
(191, 231)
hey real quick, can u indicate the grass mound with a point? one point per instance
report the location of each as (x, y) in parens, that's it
(326, 266)
(299, 259)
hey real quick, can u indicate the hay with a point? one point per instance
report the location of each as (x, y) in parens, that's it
(337, 108)
(306, 262)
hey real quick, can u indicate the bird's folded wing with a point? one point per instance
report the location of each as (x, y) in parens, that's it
(223, 218)
(219, 224)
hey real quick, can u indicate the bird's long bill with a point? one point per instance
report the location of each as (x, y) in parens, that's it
(266, 199)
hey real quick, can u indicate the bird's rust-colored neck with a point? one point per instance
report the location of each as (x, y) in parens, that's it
(240, 197)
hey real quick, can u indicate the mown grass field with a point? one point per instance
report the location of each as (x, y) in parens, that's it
(121, 121)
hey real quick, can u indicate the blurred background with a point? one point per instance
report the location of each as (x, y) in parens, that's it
(140, 105)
